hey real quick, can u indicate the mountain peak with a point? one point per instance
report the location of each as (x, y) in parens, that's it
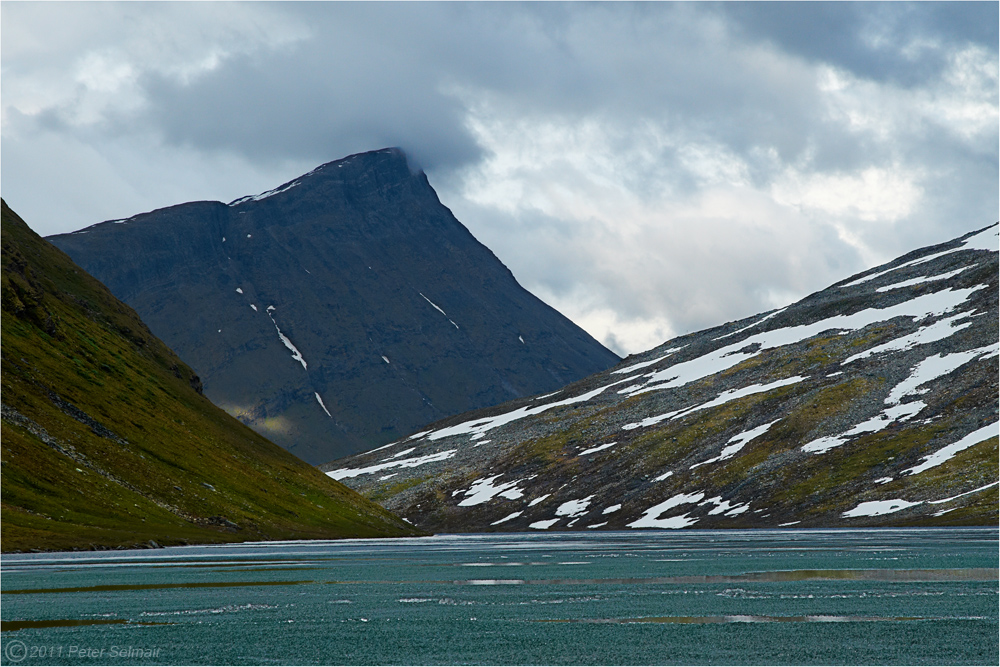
(384, 166)
(340, 310)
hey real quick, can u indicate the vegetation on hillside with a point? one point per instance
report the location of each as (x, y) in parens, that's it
(108, 442)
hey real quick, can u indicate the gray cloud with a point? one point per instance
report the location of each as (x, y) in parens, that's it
(649, 168)
(261, 110)
(898, 42)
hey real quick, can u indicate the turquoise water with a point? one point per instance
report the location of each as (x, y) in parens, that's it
(920, 596)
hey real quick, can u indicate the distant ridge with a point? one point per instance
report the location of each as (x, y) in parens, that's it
(871, 403)
(340, 310)
(108, 442)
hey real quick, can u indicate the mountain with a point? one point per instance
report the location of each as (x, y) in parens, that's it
(108, 441)
(339, 311)
(873, 402)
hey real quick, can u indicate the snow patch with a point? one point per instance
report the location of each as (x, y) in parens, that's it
(736, 443)
(402, 452)
(724, 507)
(945, 453)
(937, 366)
(644, 364)
(929, 369)
(724, 358)
(543, 525)
(599, 448)
(483, 490)
(538, 500)
(873, 425)
(319, 399)
(928, 334)
(724, 397)
(265, 195)
(878, 508)
(984, 240)
(948, 500)
(378, 449)
(923, 279)
(514, 515)
(760, 321)
(574, 508)
(296, 355)
(651, 517)
(489, 423)
(344, 473)
(438, 308)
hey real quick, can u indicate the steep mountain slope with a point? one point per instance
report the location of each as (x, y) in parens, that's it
(107, 440)
(873, 402)
(339, 311)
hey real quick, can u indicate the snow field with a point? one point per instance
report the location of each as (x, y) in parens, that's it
(344, 473)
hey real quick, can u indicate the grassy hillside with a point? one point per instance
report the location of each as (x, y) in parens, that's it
(108, 442)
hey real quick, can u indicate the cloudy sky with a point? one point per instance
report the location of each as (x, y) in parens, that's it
(647, 169)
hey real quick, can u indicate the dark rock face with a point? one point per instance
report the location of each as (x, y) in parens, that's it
(873, 402)
(350, 291)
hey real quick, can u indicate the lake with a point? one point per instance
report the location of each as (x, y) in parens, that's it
(878, 596)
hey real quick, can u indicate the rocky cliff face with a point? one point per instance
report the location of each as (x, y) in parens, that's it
(873, 402)
(339, 311)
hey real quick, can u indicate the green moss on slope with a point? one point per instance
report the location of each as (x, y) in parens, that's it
(108, 442)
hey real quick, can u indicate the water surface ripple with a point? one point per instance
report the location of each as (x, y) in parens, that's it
(876, 596)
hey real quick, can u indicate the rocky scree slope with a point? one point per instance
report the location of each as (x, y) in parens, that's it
(339, 311)
(107, 440)
(873, 402)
